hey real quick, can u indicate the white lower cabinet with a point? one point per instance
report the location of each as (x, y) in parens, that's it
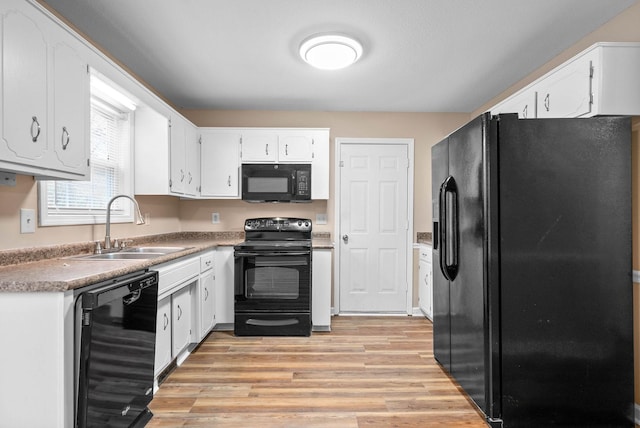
(425, 285)
(178, 281)
(321, 290)
(224, 294)
(181, 319)
(205, 297)
(163, 335)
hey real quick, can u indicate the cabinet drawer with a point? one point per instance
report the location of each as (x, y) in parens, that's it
(206, 261)
(175, 273)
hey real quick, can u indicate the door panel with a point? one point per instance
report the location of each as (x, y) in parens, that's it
(374, 221)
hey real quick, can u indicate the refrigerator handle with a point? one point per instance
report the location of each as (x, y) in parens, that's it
(449, 228)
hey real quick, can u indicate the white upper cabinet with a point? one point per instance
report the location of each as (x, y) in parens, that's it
(45, 96)
(259, 146)
(567, 91)
(263, 145)
(71, 121)
(601, 80)
(220, 163)
(296, 146)
(177, 159)
(523, 103)
(192, 160)
(166, 154)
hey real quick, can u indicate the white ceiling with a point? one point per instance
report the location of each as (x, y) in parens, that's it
(420, 55)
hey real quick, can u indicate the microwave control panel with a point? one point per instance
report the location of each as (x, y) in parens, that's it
(303, 181)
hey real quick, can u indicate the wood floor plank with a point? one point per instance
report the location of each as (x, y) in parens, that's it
(368, 372)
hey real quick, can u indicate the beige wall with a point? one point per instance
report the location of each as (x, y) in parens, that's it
(425, 128)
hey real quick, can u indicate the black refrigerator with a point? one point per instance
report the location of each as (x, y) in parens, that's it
(532, 269)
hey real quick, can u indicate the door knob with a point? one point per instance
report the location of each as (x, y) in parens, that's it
(345, 238)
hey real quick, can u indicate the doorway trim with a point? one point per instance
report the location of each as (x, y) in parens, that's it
(409, 142)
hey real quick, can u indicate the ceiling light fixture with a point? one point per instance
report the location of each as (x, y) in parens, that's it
(330, 51)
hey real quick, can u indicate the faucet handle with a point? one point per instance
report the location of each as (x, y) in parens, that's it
(125, 243)
(116, 244)
(98, 248)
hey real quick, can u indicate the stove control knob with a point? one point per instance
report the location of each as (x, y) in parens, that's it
(299, 222)
(306, 224)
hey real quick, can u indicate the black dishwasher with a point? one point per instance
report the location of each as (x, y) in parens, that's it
(116, 351)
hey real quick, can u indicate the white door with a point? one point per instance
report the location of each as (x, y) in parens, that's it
(374, 225)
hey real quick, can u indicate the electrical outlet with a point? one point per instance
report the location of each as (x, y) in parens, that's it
(27, 220)
(321, 219)
(215, 218)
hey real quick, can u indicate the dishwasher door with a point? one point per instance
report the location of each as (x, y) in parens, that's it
(117, 351)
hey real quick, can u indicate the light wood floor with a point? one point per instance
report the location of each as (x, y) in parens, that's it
(368, 372)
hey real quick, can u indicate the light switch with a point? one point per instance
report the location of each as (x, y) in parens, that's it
(27, 220)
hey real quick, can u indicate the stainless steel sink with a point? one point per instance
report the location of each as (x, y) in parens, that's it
(133, 253)
(163, 250)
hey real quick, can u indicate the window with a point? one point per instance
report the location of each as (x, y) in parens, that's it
(85, 202)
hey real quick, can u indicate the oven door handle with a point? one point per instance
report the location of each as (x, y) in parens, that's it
(271, 253)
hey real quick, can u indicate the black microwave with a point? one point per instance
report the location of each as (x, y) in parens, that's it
(279, 182)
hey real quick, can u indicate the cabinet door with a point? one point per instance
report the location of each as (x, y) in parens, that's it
(259, 146)
(163, 335)
(181, 317)
(192, 161)
(295, 147)
(219, 174)
(177, 155)
(566, 92)
(224, 295)
(207, 303)
(71, 109)
(425, 293)
(321, 289)
(524, 104)
(24, 86)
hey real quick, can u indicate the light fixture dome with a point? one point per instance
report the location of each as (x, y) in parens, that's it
(330, 51)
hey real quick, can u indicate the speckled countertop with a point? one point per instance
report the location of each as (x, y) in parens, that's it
(53, 268)
(424, 238)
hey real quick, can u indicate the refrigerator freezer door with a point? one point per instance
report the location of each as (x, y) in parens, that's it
(467, 291)
(441, 319)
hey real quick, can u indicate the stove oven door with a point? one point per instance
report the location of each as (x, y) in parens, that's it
(272, 292)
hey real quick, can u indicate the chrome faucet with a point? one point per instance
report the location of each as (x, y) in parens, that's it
(107, 236)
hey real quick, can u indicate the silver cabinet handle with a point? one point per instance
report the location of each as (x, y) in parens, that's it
(206, 294)
(229, 181)
(286, 149)
(65, 138)
(266, 149)
(190, 178)
(547, 102)
(179, 312)
(34, 121)
(524, 112)
(345, 238)
(181, 175)
(166, 322)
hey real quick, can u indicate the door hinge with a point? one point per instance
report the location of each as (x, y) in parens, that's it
(86, 318)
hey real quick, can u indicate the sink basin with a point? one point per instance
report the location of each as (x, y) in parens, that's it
(120, 256)
(133, 253)
(163, 250)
